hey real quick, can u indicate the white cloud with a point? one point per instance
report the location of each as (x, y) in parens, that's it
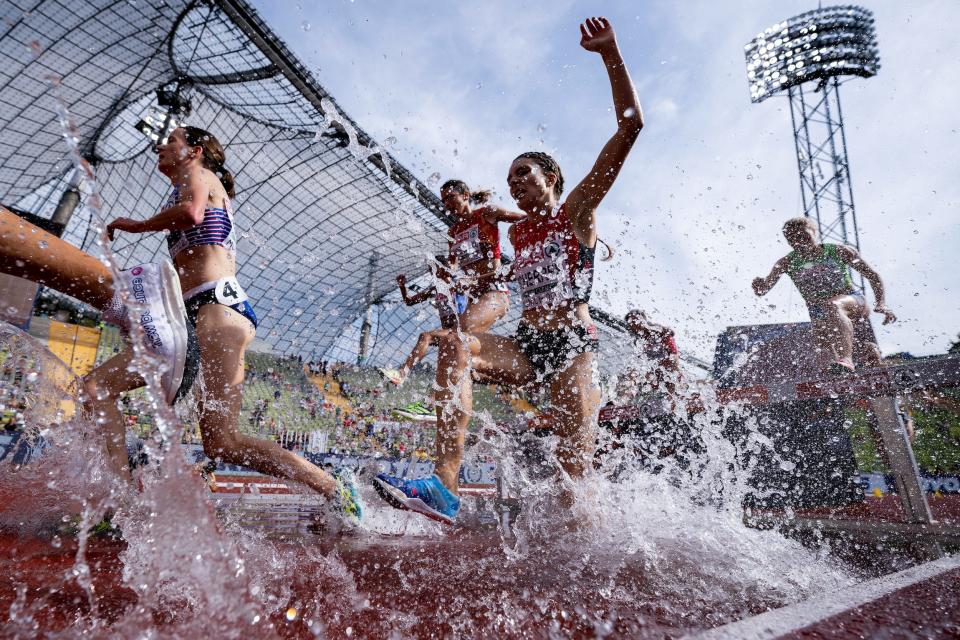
(697, 211)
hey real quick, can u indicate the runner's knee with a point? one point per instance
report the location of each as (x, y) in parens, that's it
(225, 446)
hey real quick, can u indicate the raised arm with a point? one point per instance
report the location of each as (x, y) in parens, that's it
(850, 256)
(416, 298)
(582, 203)
(186, 213)
(762, 285)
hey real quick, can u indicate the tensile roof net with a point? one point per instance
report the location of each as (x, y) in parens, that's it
(326, 217)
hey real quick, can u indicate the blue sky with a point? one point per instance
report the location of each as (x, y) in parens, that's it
(463, 87)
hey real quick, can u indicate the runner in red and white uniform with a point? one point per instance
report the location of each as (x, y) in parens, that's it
(556, 344)
(475, 247)
(449, 303)
(655, 343)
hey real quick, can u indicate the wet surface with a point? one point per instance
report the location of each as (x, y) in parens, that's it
(930, 609)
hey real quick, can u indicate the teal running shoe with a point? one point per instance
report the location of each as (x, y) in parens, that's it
(426, 496)
(417, 412)
(346, 501)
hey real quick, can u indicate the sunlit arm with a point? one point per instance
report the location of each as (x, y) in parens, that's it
(850, 256)
(494, 214)
(762, 285)
(187, 213)
(583, 200)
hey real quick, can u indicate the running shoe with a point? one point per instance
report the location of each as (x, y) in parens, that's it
(417, 412)
(346, 501)
(391, 375)
(426, 496)
(840, 369)
(207, 469)
(162, 317)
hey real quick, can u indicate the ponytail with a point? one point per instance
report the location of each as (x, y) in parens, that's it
(476, 197)
(609, 255)
(481, 197)
(213, 157)
(226, 179)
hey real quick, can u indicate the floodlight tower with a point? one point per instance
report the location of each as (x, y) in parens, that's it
(809, 56)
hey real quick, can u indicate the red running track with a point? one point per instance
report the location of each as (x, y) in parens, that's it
(920, 602)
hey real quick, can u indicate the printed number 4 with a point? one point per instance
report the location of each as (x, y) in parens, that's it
(229, 291)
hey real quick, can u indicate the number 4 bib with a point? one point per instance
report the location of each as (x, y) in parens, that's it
(229, 292)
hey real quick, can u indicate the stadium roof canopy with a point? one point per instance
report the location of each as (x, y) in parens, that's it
(327, 218)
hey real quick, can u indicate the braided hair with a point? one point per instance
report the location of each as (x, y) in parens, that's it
(548, 164)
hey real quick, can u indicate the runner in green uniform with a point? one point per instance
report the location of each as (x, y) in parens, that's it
(838, 312)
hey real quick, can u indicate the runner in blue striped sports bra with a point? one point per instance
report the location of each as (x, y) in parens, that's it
(216, 229)
(202, 243)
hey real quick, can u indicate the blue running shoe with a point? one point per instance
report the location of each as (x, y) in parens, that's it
(426, 496)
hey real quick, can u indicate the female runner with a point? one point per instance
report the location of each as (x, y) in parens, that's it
(475, 247)
(556, 343)
(838, 312)
(202, 244)
(449, 303)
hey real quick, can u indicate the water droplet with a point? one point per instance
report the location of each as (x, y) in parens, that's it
(305, 26)
(541, 127)
(43, 244)
(433, 179)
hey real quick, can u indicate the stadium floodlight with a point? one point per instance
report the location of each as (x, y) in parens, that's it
(817, 45)
(157, 125)
(171, 108)
(806, 57)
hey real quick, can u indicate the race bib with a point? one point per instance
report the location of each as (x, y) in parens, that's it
(229, 292)
(466, 246)
(542, 275)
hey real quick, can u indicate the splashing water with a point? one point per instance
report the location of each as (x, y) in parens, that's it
(645, 555)
(640, 554)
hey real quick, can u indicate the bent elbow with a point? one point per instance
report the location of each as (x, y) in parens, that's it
(632, 122)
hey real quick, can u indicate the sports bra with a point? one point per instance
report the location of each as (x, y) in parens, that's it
(552, 266)
(216, 229)
(820, 278)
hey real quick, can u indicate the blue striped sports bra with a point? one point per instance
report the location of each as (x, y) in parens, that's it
(215, 229)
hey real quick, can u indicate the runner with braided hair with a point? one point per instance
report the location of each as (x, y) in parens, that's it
(556, 343)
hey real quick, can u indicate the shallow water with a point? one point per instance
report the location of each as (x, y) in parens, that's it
(644, 555)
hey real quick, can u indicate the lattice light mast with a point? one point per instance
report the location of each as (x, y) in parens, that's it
(808, 57)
